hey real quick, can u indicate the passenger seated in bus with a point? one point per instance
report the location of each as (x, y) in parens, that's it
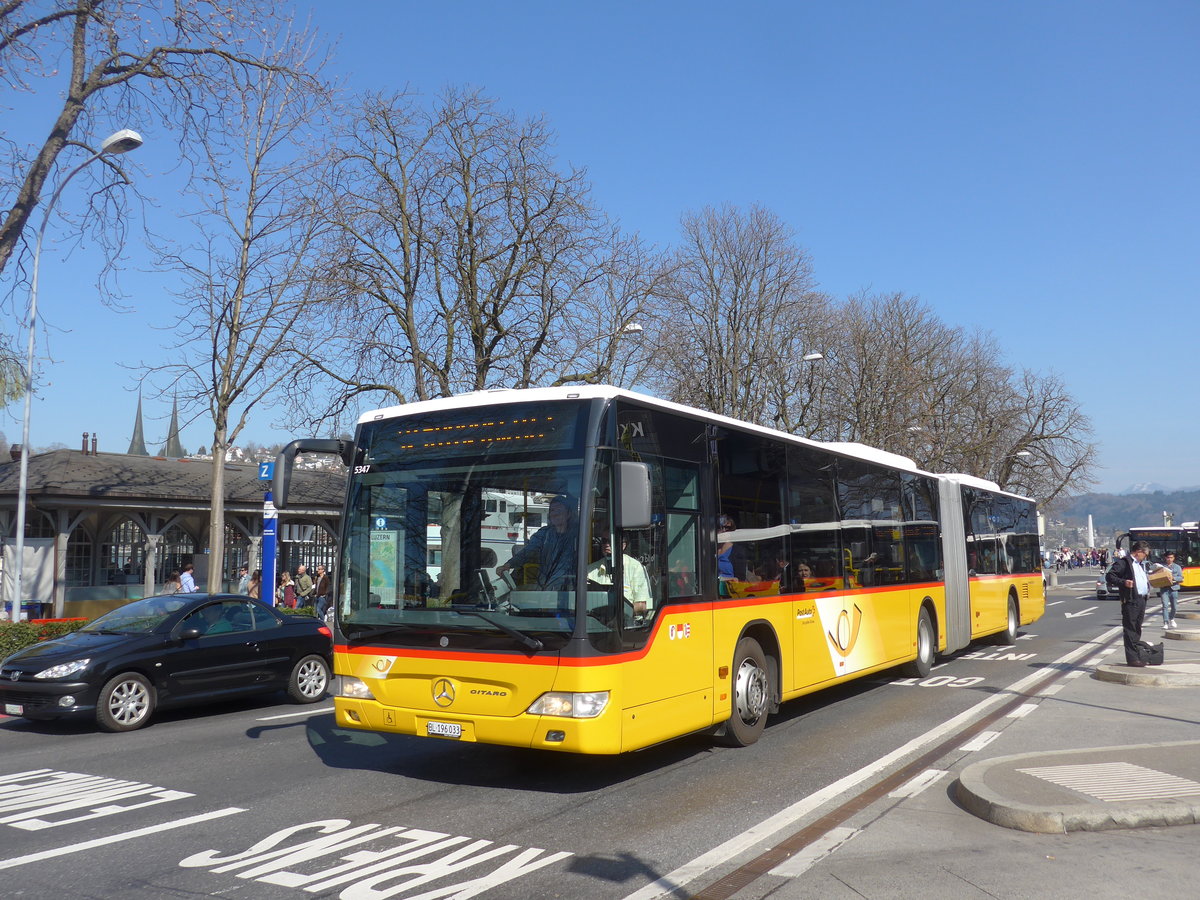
(553, 547)
(731, 556)
(776, 569)
(683, 579)
(636, 587)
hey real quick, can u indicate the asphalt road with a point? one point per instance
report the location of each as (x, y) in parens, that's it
(269, 800)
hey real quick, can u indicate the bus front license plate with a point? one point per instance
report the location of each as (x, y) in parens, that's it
(443, 729)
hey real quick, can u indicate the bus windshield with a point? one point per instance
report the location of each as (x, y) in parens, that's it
(465, 522)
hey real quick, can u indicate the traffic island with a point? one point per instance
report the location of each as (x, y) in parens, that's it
(1173, 674)
(1086, 790)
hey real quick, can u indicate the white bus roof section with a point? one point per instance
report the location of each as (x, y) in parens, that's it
(608, 392)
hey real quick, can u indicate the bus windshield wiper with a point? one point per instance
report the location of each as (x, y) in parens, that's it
(368, 630)
(525, 640)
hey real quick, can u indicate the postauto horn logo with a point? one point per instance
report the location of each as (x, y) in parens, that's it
(845, 633)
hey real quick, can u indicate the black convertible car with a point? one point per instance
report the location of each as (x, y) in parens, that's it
(165, 651)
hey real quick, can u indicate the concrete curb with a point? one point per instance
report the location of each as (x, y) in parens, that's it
(976, 793)
(1153, 676)
(1176, 634)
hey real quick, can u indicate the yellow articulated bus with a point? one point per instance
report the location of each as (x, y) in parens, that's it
(672, 571)
(1183, 541)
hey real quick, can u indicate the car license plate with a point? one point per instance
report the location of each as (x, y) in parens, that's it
(14, 709)
(443, 729)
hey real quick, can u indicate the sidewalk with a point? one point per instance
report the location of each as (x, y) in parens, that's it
(1084, 783)
(1129, 783)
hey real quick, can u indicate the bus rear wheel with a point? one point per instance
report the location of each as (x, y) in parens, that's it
(926, 647)
(751, 695)
(1011, 624)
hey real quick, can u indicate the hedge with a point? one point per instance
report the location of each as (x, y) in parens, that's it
(17, 635)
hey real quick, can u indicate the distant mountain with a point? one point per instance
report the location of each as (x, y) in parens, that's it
(1115, 513)
(1146, 487)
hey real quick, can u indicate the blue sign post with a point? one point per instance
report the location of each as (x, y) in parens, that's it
(269, 543)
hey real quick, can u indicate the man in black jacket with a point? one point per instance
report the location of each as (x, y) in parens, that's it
(1128, 577)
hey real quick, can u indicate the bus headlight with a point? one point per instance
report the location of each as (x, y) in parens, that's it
(353, 688)
(568, 705)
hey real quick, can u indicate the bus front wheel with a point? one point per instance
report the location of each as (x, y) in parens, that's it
(751, 695)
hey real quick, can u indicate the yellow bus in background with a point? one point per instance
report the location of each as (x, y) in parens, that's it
(694, 571)
(1183, 541)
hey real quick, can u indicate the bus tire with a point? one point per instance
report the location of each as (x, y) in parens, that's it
(751, 695)
(1011, 623)
(926, 647)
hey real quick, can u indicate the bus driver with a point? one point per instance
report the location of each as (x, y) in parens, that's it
(553, 547)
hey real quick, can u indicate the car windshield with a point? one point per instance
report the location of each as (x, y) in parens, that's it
(139, 617)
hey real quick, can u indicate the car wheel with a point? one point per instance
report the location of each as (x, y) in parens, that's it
(751, 695)
(125, 703)
(310, 680)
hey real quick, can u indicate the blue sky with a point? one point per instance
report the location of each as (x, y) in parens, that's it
(1029, 168)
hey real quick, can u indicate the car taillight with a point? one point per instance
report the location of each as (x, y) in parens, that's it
(324, 629)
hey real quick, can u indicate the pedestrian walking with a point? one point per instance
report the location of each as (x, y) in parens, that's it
(1170, 595)
(321, 591)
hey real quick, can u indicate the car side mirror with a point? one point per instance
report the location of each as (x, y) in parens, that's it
(189, 634)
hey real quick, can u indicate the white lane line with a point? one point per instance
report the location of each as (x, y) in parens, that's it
(980, 741)
(917, 783)
(296, 715)
(1022, 711)
(1056, 602)
(764, 830)
(116, 838)
(1052, 690)
(814, 852)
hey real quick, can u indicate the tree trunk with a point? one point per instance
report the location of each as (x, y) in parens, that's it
(216, 528)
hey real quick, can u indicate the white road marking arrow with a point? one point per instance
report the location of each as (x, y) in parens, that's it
(1082, 612)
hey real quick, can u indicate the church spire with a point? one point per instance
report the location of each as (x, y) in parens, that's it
(172, 449)
(137, 446)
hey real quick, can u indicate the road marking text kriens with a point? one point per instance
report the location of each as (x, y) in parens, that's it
(391, 861)
(47, 798)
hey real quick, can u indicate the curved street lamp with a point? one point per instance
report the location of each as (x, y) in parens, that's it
(119, 142)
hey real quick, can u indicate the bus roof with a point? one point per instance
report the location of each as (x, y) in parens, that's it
(608, 392)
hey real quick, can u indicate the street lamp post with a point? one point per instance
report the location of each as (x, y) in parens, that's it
(121, 142)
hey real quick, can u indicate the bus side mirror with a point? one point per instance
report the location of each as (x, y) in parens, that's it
(281, 483)
(634, 484)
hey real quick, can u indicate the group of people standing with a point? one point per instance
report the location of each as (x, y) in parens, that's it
(304, 590)
(1129, 577)
(290, 593)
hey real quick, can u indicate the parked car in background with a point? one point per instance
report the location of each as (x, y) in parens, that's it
(165, 651)
(1103, 591)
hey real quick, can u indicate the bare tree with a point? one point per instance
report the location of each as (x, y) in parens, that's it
(899, 378)
(740, 313)
(468, 259)
(1047, 451)
(116, 61)
(12, 373)
(257, 263)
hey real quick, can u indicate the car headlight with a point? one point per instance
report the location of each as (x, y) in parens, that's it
(570, 705)
(62, 670)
